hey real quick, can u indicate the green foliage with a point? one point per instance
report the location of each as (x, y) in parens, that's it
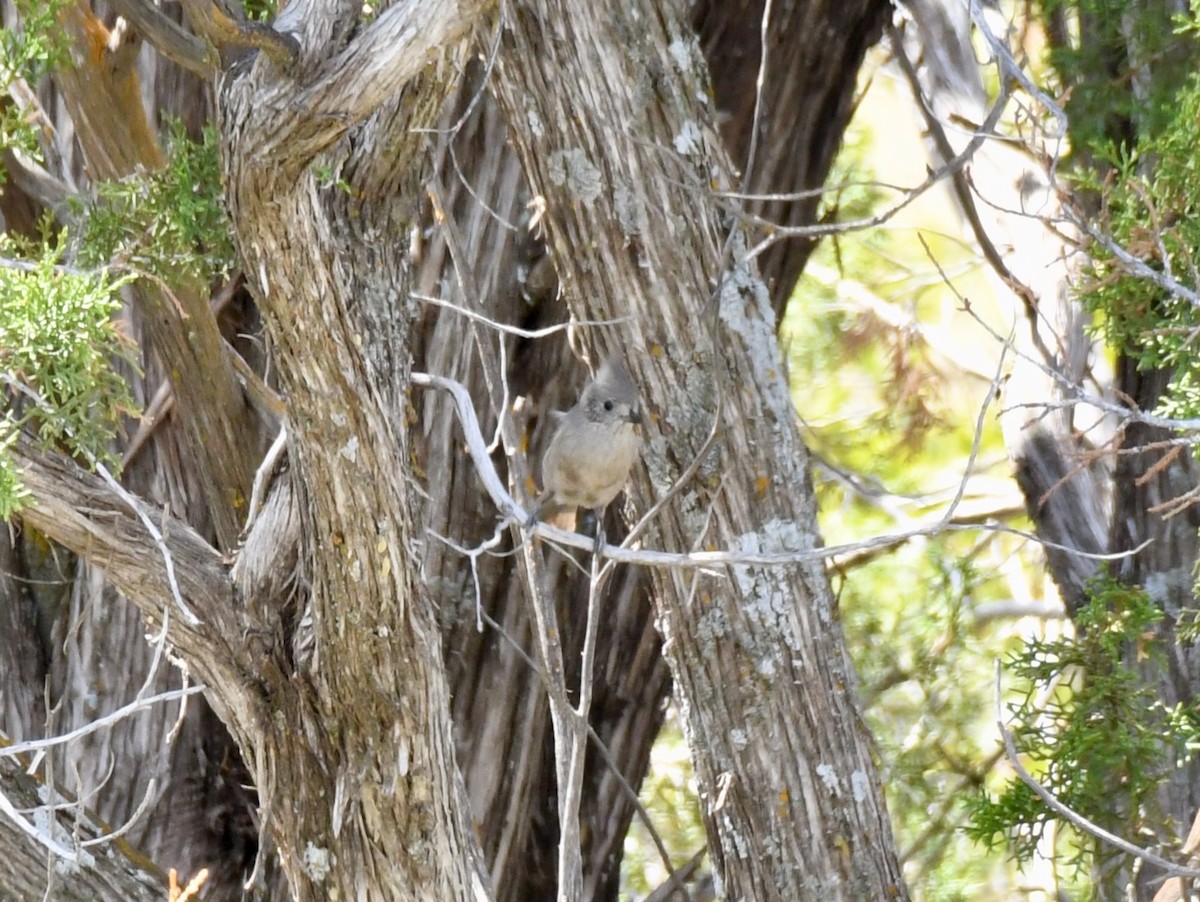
(1092, 729)
(58, 340)
(327, 179)
(1147, 180)
(168, 223)
(1151, 201)
(37, 46)
(922, 661)
(260, 10)
(26, 54)
(1114, 37)
(57, 344)
(13, 495)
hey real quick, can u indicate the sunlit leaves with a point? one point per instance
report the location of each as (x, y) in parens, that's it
(1088, 726)
(27, 52)
(57, 345)
(167, 223)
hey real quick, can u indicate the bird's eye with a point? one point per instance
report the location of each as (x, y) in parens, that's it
(608, 405)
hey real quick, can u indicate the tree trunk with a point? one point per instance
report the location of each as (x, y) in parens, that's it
(755, 652)
(368, 700)
(321, 644)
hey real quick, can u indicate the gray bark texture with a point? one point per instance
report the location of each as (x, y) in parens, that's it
(396, 751)
(760, 669)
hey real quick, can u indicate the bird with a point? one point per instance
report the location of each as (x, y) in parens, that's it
(594, 447)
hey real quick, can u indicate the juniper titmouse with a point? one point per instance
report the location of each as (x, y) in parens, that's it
(595, 445)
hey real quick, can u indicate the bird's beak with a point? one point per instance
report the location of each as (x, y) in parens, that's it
(635, 417)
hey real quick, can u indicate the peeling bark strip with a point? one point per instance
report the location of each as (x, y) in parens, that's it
(602, 101)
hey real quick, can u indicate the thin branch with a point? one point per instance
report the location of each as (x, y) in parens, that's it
(1073, 817)
(32, 178)
(675, 882)
(489, 67)
(562, 715)
(114, 717)
(759, 81)
(39, 748)
(777, 232)
(1135, 266)
(982, 519)
(569, 740)
(149, 797)
(1076, 395)
(139, 510)
(684, 478)
(963, 191)
(992, 394)
(1013, 608)
(41, 836)
(473, 555)
(572, 793)
(514, 512)
(514, 330)
(601, 749)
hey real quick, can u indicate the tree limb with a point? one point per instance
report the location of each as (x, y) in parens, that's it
(77, 510)
(221, 31)
(168, 37)
(375, 66)
(103, 872)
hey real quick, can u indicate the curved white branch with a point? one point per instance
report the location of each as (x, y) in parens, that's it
(1074, 817)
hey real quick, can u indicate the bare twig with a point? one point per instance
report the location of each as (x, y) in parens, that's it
(141, 704)
(1010, 69)
(514, 330)
(759, 81)
(778, 232)
(963, 191)
(512, 510)
(573, 791)
(40, 830)
(639, 809)
(473, 555)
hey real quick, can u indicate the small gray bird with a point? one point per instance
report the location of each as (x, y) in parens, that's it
(594, 447)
